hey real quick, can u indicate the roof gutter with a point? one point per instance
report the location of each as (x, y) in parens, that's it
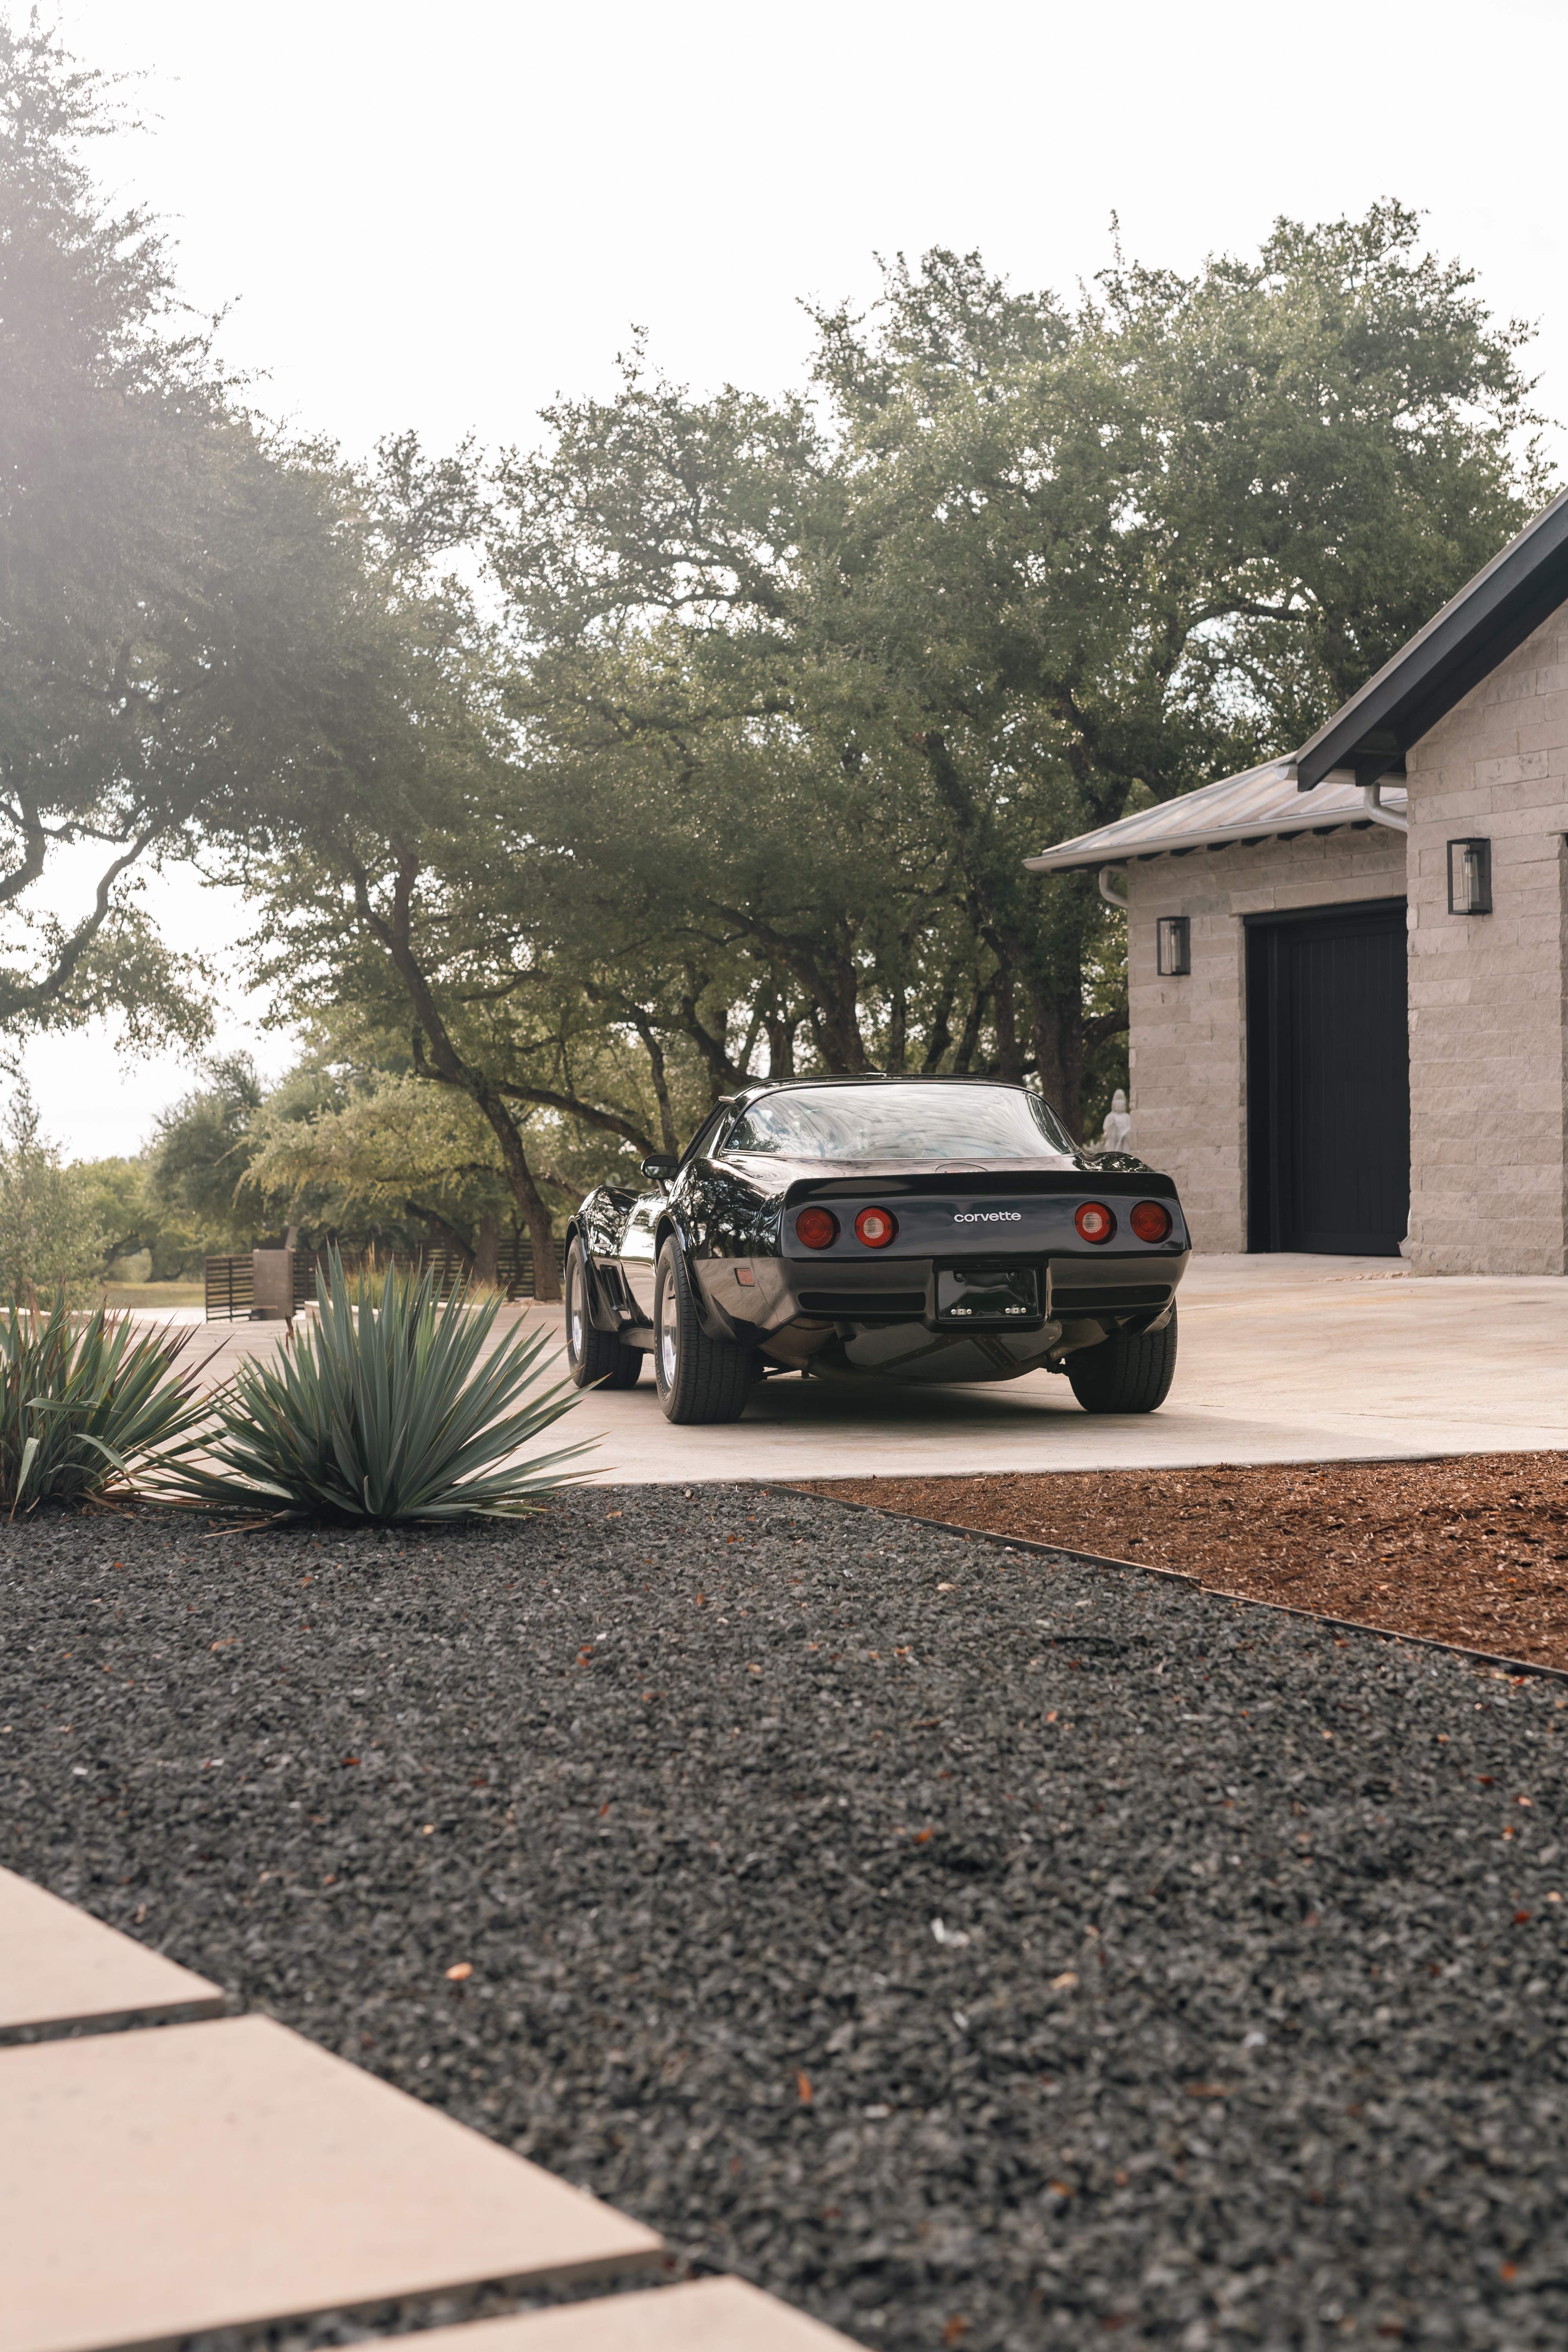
(1225, 837)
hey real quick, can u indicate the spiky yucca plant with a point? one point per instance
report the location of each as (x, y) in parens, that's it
(85, 1402)
(378, 1413)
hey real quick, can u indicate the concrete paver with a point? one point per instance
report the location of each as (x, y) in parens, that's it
(721, 2315)
(225, 2175)
(1283, 1359)
(60, 1970)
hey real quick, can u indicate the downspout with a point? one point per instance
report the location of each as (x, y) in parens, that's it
(1371, 801)
(1114, 898)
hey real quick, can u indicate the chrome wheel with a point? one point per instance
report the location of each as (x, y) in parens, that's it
(595, 1359)
(699, 1379)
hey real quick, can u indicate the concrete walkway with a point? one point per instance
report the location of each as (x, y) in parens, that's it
(228, 2176)
(1283, 1359)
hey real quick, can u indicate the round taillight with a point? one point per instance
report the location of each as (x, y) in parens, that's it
(1150, 1222)
(876, 1227)
(817, 1228)
(1095, 1221)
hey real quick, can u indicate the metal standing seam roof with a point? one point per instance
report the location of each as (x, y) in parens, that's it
(1263, 802)
(1334, 778)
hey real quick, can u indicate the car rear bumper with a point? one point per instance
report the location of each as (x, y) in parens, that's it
(1114, 1284)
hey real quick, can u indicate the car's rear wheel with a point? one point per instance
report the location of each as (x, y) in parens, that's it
(595, 1359)
(1130, 1372)
(699, 1379)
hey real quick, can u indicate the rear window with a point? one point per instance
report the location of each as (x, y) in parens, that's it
(935, 1123)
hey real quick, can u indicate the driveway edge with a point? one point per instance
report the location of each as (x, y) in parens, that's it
(1180, 1575)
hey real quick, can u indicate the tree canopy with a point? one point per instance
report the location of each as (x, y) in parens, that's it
(705, 739)
(1016, 568)
(740, 775)
(178, 597)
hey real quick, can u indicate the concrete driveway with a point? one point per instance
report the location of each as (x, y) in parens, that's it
(1282, 1360)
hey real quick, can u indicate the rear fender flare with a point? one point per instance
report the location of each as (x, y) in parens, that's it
(714, 1322)
(599, 1313)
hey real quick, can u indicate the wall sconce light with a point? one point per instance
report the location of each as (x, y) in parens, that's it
(1469, 878)
(1174, 946)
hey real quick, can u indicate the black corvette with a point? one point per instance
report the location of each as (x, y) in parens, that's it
(854, 1229)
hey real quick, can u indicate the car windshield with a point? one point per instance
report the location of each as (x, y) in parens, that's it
(937, 1123)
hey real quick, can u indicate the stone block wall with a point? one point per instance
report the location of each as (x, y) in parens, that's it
(1488, 994)
(1189, 1035)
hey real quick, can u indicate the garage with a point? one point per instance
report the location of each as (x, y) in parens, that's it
(1328, 1084)
(1347, 969)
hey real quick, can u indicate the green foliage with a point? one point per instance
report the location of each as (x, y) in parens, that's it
(367, 1284)
(200, 1157)
(190, 1193)
(787, 693)
(86, 1403)
(392, 1150)
(187, 622)
(131, 1220)
(799, 694)
(50, 1236)
(736, 768)
(120, 1203)
(380, 1413)
(737, 771)
(193, 1191)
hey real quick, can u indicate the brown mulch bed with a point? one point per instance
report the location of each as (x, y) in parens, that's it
(1472, 1550)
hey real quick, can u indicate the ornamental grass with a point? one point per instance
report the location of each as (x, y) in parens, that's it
(85, 1402)
(377, 1412)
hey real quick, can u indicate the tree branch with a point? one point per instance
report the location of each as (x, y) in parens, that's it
(608, 1121)
(51, 987)
(1101, 1026)
(445, 1227)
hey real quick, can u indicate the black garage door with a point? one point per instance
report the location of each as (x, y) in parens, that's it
(1329, 1080)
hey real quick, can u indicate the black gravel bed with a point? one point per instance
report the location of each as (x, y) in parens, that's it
(973, 1947)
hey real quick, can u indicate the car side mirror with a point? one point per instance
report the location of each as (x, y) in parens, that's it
(658, 1165)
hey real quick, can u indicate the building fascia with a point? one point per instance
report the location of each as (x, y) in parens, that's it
(1490, 618)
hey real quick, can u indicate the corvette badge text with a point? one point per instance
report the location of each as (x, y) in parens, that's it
(988, 1217)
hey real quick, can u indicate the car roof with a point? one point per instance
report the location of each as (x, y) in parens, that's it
(757, 1087)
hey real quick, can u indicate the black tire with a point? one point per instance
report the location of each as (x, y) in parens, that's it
(595, 1359)
(697, 1378)
(1130, 1372)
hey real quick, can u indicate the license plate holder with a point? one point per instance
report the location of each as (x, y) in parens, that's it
(996, 1295)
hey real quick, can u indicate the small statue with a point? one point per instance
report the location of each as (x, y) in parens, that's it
(1118, 1128)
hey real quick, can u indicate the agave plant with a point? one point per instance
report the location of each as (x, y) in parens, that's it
(85, 1401)
(379, 1412)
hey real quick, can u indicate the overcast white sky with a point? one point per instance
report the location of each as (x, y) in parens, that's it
(442, 217)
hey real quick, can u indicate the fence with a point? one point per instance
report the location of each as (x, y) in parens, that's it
(231, 1281)
(230, 1288)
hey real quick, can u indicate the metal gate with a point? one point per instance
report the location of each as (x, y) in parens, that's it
(231, 1281)
(1329, 1080)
